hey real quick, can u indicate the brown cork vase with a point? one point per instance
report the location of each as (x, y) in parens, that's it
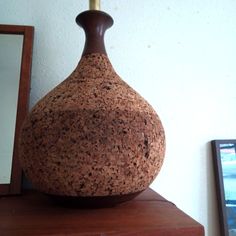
(93, 140)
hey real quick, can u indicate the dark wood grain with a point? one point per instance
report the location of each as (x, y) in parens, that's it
(148, 214)
(23, 100)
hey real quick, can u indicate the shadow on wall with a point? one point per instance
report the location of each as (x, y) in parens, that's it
(212, 207)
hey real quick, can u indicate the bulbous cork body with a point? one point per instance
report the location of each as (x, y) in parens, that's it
(92, 136)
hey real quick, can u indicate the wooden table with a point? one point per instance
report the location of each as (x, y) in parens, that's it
(149, 214)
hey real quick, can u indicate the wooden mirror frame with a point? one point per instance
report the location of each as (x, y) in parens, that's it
(14, 187)
(220, 189)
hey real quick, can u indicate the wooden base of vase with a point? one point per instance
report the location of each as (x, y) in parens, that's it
(92, 202)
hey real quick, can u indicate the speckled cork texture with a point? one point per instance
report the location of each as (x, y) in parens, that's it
(92, 135)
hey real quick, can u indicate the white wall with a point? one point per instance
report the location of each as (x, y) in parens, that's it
(179, 55)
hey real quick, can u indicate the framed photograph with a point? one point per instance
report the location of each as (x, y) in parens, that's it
(224, 160)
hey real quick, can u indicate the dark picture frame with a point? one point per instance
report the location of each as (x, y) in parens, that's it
(224, 163)
(14, 187)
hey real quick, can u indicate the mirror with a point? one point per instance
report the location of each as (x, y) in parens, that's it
(224, 159)
(10, 61)
(16, 44)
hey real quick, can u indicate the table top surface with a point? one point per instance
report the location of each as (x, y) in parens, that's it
(33, 213)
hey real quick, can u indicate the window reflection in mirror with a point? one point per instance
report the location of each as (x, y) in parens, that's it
(228, 162)
(10, 65)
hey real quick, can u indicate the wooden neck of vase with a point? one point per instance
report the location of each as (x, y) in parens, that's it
(95, 23)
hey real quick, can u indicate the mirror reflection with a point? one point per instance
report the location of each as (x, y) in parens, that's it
(10, 65)
(228, 162)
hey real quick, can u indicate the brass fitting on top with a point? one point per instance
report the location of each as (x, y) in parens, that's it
(94, 5)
